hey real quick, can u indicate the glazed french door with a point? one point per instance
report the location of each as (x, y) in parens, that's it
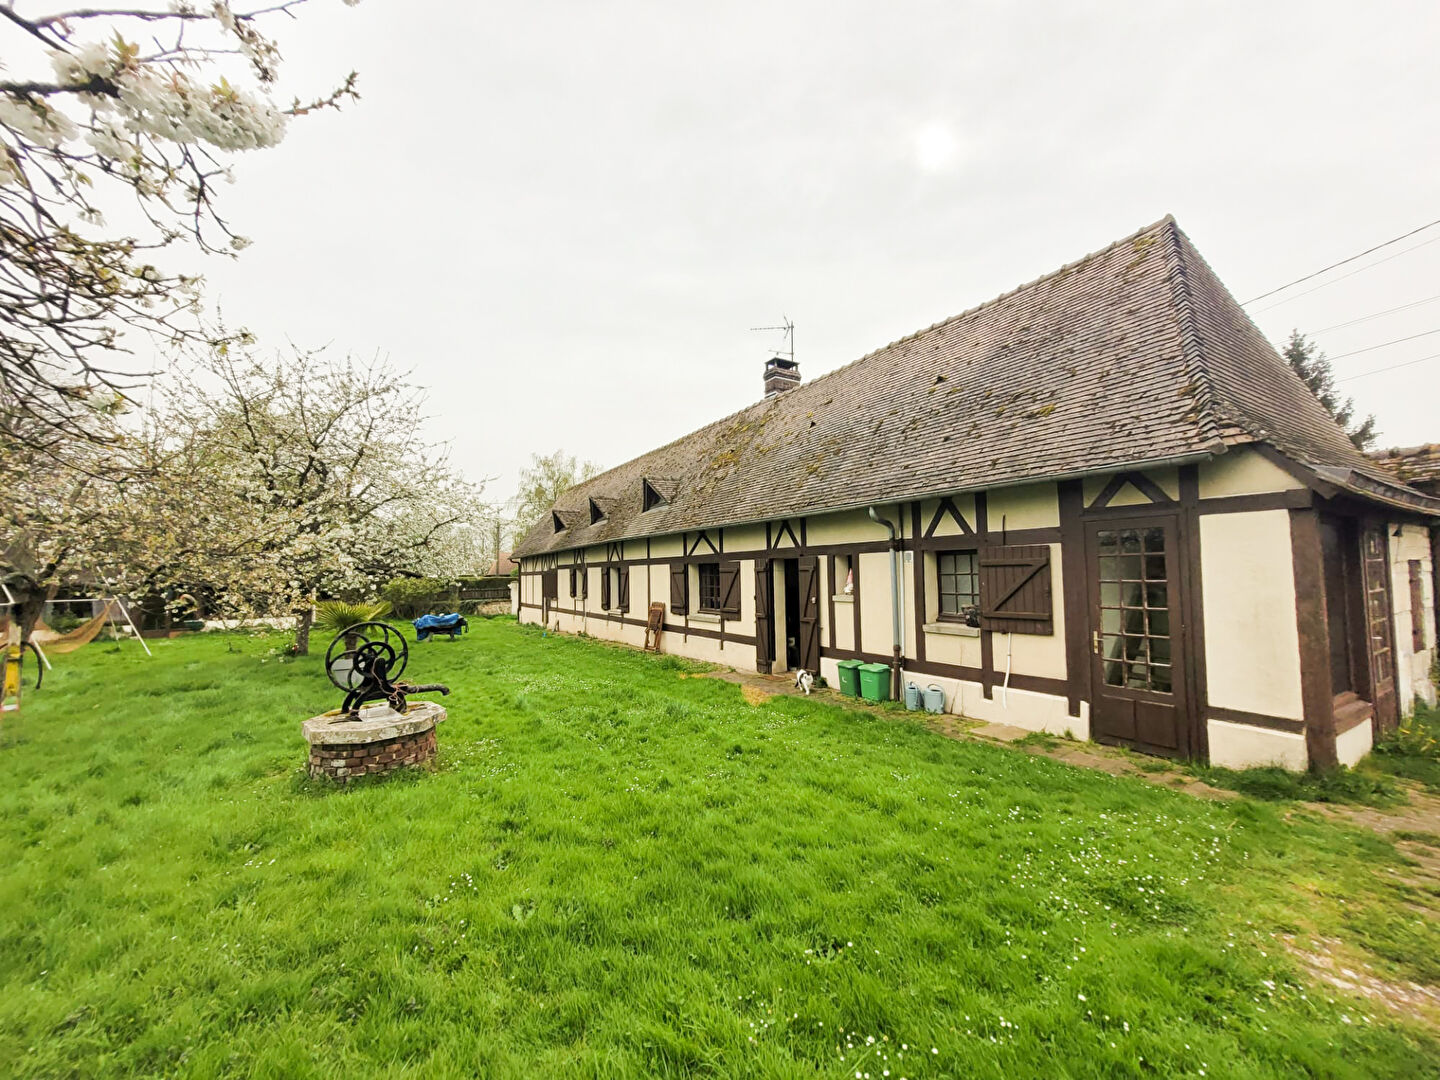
(1375, 561)
(1138, 696)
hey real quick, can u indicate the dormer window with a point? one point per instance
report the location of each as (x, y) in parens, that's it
(557, 521)
(597, 512)
(650, 496)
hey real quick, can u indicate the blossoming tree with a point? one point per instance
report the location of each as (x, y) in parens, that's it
(292, 476)
(130, 111)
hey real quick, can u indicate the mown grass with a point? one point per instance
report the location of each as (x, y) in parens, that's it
(1359, 786)
(618, 872)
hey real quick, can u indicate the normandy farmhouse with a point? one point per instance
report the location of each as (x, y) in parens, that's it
(1099, 504)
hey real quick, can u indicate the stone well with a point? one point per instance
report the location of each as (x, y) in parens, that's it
(381, 740)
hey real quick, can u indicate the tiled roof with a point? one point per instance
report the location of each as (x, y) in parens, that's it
(1134, 354)
(1418, 466)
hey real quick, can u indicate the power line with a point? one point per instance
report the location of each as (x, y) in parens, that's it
(1342, 277)
(1376, 315)
(1383, 344)
(1342, 262)
(1392, 367)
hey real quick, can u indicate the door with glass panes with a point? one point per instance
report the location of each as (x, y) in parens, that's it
(1137, 661)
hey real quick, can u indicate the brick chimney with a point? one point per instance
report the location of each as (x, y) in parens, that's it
(780, 375)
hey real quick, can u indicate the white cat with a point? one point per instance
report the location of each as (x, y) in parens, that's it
(804, 680)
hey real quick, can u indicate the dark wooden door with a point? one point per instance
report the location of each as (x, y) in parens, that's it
(1337, 542)
(764, 618)
(1137, 633)
(809, 597)
(1375, 564)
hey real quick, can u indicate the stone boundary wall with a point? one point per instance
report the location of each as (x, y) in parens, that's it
(341, 761)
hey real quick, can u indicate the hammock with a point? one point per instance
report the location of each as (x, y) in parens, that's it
(82, 635)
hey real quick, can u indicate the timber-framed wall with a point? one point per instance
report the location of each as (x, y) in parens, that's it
(1254, 689)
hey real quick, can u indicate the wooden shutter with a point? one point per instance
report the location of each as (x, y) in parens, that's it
(809, 591)
(679, 588)
(764, 634)
(572, 583)
(1015, 589)
(623, 577)
(605, 588)
(550, 585)
(730, 589)
(584, 581)
(1417, 607)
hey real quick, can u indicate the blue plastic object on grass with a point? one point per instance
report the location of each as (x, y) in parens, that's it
(451, 624)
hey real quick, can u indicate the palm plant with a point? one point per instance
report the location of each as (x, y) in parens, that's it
(336, 616)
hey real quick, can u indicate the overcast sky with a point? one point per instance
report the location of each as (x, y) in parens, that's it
(565, 217)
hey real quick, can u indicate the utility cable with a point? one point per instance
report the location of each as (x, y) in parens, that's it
(1342, 262)
(1352, 273)
(1376, 315)
(1392, 367)
(1382, 345)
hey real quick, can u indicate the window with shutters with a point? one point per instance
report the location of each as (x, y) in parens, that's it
(708, 590)
(679, 589)
(1015, 589)
(958, 575)
(617, 588)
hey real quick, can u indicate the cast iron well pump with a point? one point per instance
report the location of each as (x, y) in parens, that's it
(366, 661)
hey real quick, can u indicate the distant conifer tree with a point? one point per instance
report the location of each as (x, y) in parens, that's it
(1314, 369)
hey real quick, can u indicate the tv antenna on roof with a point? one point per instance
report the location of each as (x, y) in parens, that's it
(787, 340)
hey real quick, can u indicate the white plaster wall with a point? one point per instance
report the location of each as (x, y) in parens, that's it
(947, 527)
(1352, 745)
(876, 628)
(1168, 480)
(1020, 708)
(1243, 472)
(1252, 639)
(844, 624)
(732, 654)
(1412, 669)
(959, 650)
(745, 538)
(1241, 746)
(852, 526)
(1034, 506)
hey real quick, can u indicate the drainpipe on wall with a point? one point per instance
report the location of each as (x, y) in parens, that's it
(895, 604)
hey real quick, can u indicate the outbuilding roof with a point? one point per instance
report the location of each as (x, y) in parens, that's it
(1418, 466)
(1132, 355)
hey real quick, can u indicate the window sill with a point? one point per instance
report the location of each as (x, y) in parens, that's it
(841, 598)
(952, 629)
(705, 616)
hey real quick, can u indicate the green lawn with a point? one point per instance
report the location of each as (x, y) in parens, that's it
(621, 871)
